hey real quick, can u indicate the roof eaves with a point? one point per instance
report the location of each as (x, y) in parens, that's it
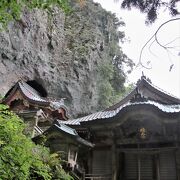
(160, 91)
(85, 142)
(5, 99)
(25, 89)
(109, 114)
(70, 132)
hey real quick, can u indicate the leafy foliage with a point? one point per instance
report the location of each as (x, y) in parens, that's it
(112, 73)
(20, 158)
(105, 87)
(151, 7)
(111, 86)
(12, 9)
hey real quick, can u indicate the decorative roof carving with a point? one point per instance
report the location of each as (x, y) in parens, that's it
(138, 97)
(143, 77)
(57, 104)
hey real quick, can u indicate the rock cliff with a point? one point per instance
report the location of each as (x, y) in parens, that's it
(71, 56)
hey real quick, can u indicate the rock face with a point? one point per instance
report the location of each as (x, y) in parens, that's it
(63, 53)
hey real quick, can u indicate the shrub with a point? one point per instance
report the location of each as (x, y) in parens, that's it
(20, 158)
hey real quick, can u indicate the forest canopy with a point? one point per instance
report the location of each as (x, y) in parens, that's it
(11, 10)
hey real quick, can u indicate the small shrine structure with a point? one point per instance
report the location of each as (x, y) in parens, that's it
(40, 115)
(37, 111)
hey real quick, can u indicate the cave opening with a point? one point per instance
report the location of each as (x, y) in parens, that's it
(38, 87)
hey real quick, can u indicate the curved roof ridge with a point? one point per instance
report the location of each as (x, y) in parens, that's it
(143, 81)
(166, 108)
(33, 95)
(160, 89)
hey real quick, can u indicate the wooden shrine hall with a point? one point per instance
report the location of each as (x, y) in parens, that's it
(135, 139)
(37, 111)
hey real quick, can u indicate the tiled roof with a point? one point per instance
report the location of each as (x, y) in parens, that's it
(143, 84)
(34, 97)
(66, 129)
(70, 132)
(112, 113)
(31, 93)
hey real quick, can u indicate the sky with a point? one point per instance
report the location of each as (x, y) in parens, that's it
(159, 59)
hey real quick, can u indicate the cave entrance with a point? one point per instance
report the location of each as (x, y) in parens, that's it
(38, 87)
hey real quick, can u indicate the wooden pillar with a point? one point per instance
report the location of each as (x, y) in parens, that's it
(90, 162)
(114, 161)
(177, 152)
(139, 167)
(157, 166)
(35, 124)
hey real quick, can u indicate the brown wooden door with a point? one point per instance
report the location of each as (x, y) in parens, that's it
(146, 167)
(139, 167)
(160, 166)
(167, 165)
(101, 163)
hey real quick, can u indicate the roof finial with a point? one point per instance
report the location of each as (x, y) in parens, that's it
(143, 76)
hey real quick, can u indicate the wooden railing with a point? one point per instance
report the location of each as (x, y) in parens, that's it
(97, 177)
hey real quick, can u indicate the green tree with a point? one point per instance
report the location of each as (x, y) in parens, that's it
(20, 158)
(151, 7)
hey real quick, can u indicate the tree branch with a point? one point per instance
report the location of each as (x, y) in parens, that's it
(165, 47)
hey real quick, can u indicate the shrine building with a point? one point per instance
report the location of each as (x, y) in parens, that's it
(136, 139)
